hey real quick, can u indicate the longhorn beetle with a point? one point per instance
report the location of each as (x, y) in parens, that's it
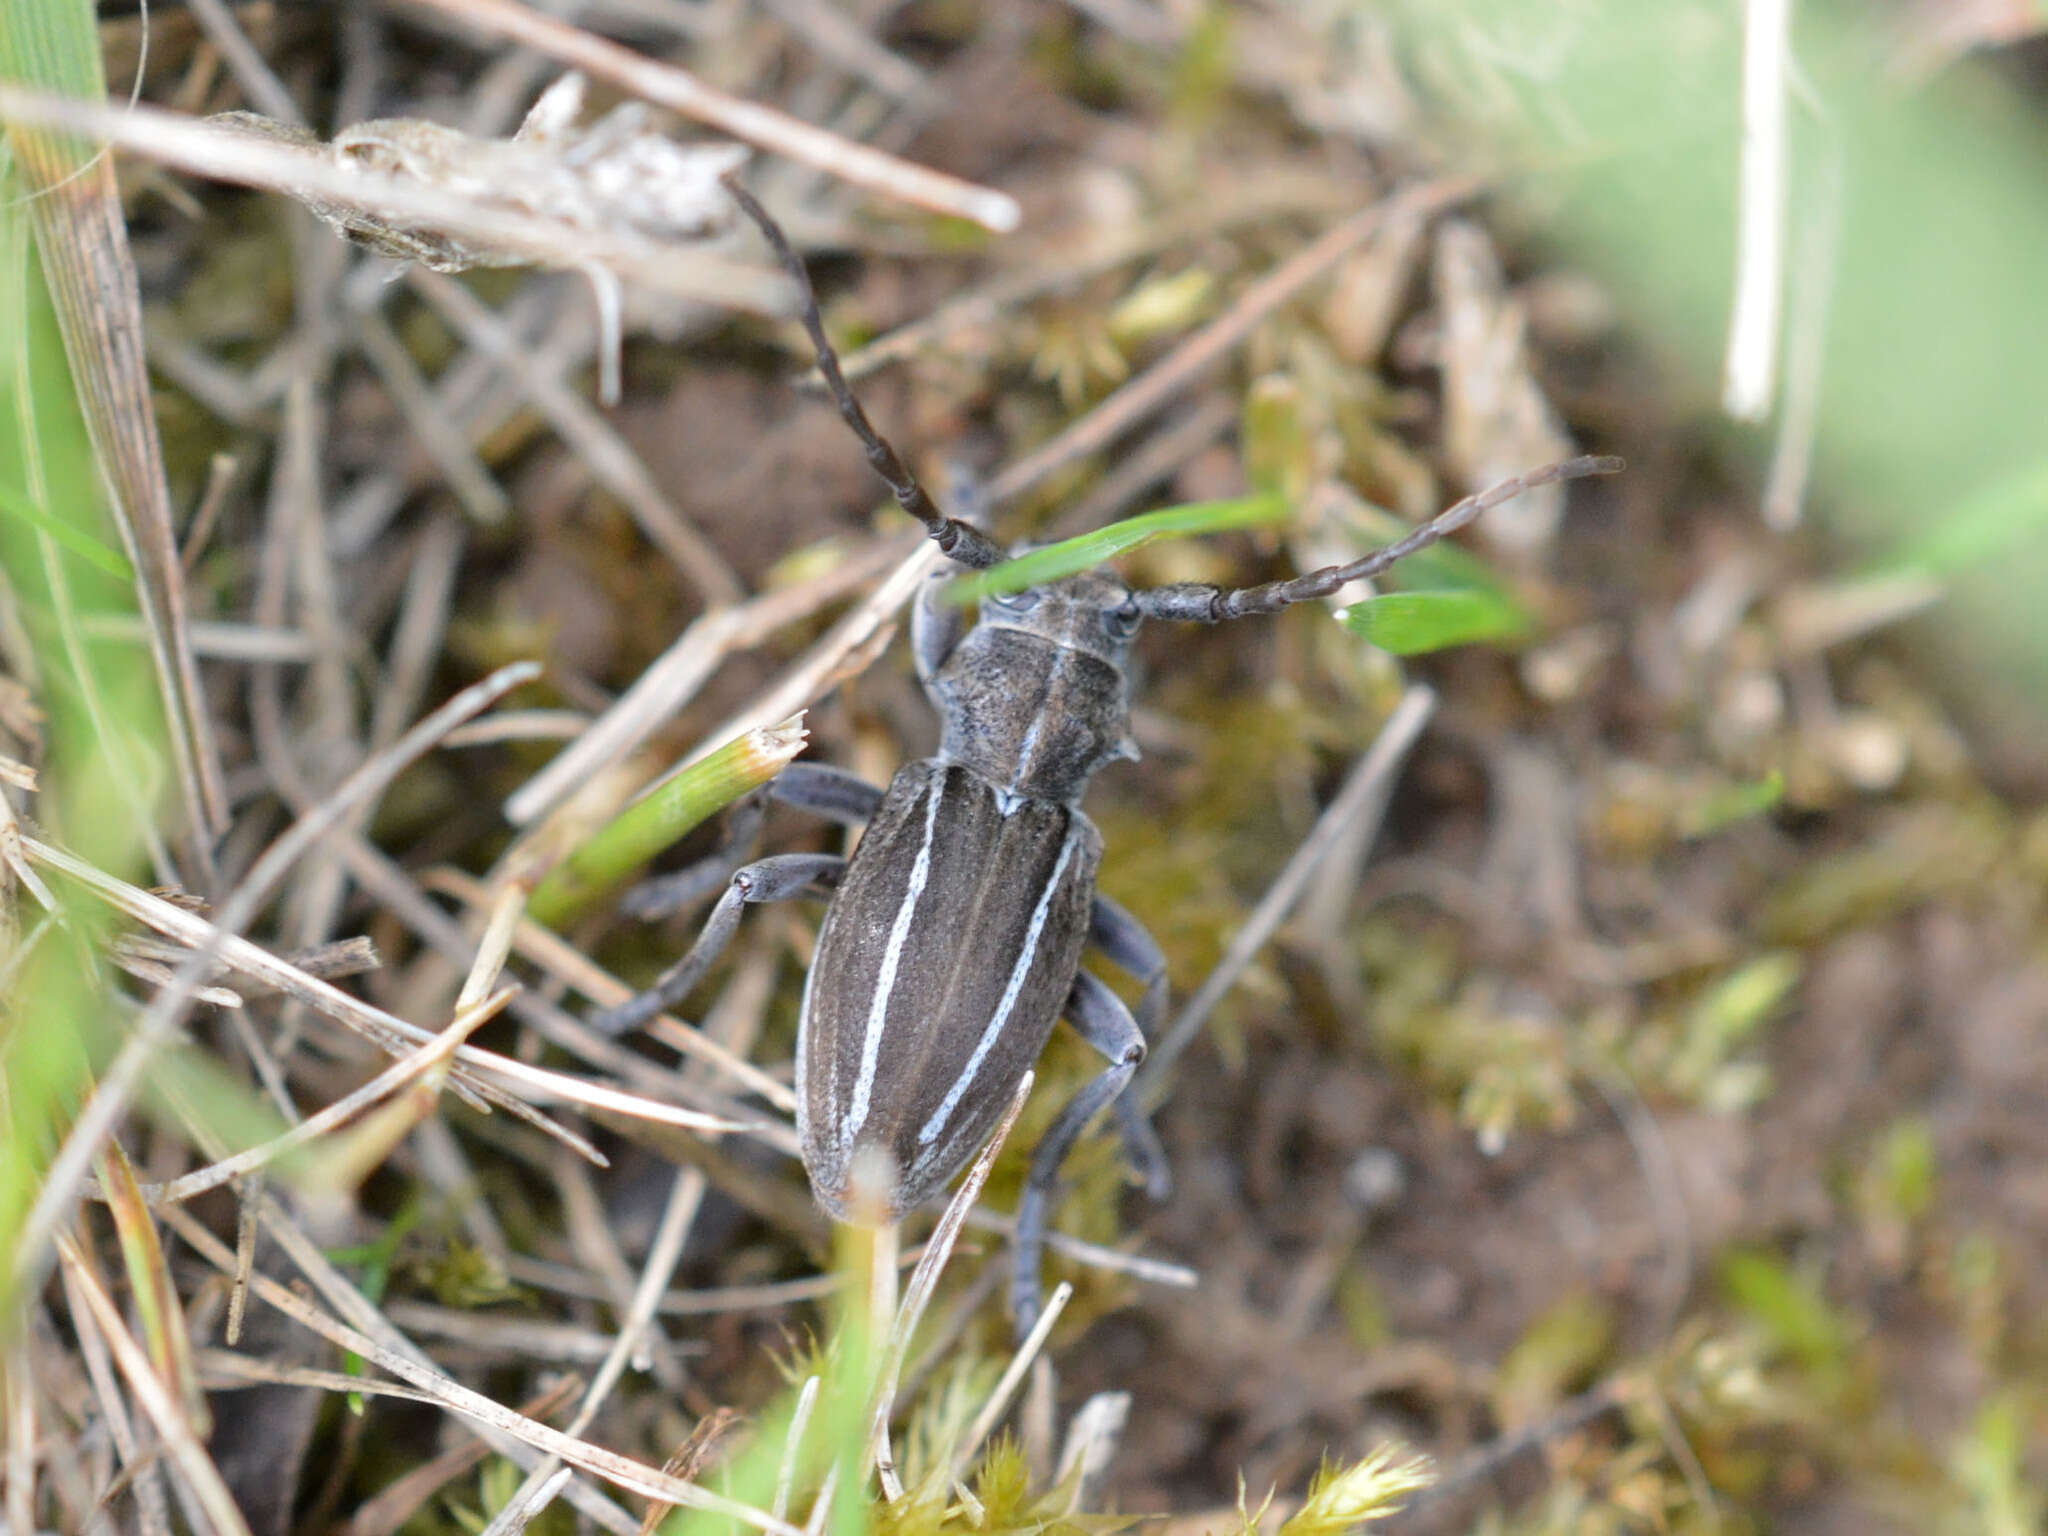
(954, 933)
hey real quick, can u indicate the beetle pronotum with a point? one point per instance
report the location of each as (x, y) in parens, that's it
(953, 938)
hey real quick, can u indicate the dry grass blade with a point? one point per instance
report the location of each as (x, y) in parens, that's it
(562, 960)
(623, 1471)
(149, 1283)
(168, 1009)
(667, 86)
(799, 1423)
(674, 678)
(201, 1477)
(398, 1501)
(528, 1502)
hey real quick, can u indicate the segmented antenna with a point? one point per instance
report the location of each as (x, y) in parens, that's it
(1193, 602)
(958, 541)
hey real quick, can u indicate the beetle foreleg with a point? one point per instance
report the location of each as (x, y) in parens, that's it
(1105, 1023)
(775, 879)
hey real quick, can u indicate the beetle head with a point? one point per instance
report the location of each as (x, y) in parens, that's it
(1093, 612)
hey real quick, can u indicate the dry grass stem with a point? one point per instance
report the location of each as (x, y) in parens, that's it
(1006, 1386)
(558, 958)
(924, 1280)
(622, 1471)
(188, 1458)
(224, 154)
(765, 128)
(792, 1445)
(1364, 795)
(168, 1009)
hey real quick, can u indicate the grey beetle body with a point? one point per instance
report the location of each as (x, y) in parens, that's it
(955, 936)
(955, 933)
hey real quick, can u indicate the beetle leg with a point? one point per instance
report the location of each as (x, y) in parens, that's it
(775, 879)
(818, 788)
(1105, 1023)
(825, 791)
(1129, 946)
(654, 899)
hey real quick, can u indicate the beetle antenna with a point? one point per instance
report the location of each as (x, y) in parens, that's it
(1201, 604)
(960, 542)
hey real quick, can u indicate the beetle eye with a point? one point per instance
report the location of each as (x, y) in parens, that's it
(1122, 622)
(1016, 602)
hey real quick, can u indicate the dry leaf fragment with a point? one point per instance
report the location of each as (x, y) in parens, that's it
(615, 180)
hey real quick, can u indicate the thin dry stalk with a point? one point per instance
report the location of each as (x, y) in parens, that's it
(350, 1303)
(429, 1057)
(675, 677)
(252, 73)
(168, 1009)
(151, 1505)
(531, 1498)
(842, 40)
(188, 1457)
(223, 154)
(686, 1196)
(924, 1280)
(1006, 1386)
(1363, 795)
(679, 91)
(596, 442)
(561, 960)
(792, 1446)
(394, 1504)
(18, 1382)
(1094, 1255)
(1813, 283)
(622, 1471)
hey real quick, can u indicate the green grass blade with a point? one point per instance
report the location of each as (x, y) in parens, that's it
(1070, 557)
(1413, 623)
(673, 807)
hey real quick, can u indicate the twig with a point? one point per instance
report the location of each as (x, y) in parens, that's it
(676, 89)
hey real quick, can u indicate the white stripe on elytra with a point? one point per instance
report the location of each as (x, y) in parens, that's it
(1011, 993)
(885, 980)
